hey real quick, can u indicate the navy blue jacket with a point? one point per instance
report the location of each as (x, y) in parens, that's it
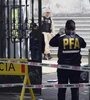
(34, 40)
(69, 49)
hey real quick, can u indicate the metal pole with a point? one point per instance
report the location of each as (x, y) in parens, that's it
(14, 28)
(40, 38)
(26, 39)
(8, 29)
(2, 30)
(14, 13)
(32, 11)
(89, 72)
(20, 29)
(1, 22)
(26, 20)
(39, 21)
(4, 34)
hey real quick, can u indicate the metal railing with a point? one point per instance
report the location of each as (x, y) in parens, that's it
(15, 19)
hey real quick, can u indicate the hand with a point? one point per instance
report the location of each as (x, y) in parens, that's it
(61, 31)
(52, 35)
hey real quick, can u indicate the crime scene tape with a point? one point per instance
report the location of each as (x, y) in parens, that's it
(50, 86)
(69, 67)
(46, 86)
(10, 85)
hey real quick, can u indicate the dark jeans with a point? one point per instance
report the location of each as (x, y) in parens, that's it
(35, 53)
(63, 77)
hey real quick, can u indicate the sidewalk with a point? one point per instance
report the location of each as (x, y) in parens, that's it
(46, 70)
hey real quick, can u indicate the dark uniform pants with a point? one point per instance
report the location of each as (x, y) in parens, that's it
(35, 53)
(63, 77)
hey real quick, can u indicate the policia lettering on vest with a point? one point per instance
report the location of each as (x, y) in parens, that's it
(69, 47)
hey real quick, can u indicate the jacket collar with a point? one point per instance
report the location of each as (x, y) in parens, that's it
(70, 33)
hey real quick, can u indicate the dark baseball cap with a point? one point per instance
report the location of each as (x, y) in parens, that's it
(70, 25)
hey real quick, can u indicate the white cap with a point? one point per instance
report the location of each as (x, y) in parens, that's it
(48, 10)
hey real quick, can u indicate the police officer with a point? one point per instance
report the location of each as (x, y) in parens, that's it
(48, 31)
(34, 42)
(70, 46)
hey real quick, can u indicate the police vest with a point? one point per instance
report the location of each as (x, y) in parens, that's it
(46, 24)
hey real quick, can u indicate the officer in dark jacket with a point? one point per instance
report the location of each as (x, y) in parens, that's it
(35, 41)
(70, 46)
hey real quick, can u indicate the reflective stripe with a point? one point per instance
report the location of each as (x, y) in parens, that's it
(73, 51)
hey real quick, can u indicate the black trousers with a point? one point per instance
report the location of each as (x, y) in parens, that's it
(63, 77)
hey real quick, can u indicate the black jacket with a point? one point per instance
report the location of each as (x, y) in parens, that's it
(35, 40)
(69, 48)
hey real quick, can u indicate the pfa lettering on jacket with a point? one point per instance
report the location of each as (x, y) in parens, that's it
(71, 43)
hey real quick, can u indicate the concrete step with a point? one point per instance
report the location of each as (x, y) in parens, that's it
(77, 29)
(79, 33)
(77, 26)
(74, 18)
(77, 22)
